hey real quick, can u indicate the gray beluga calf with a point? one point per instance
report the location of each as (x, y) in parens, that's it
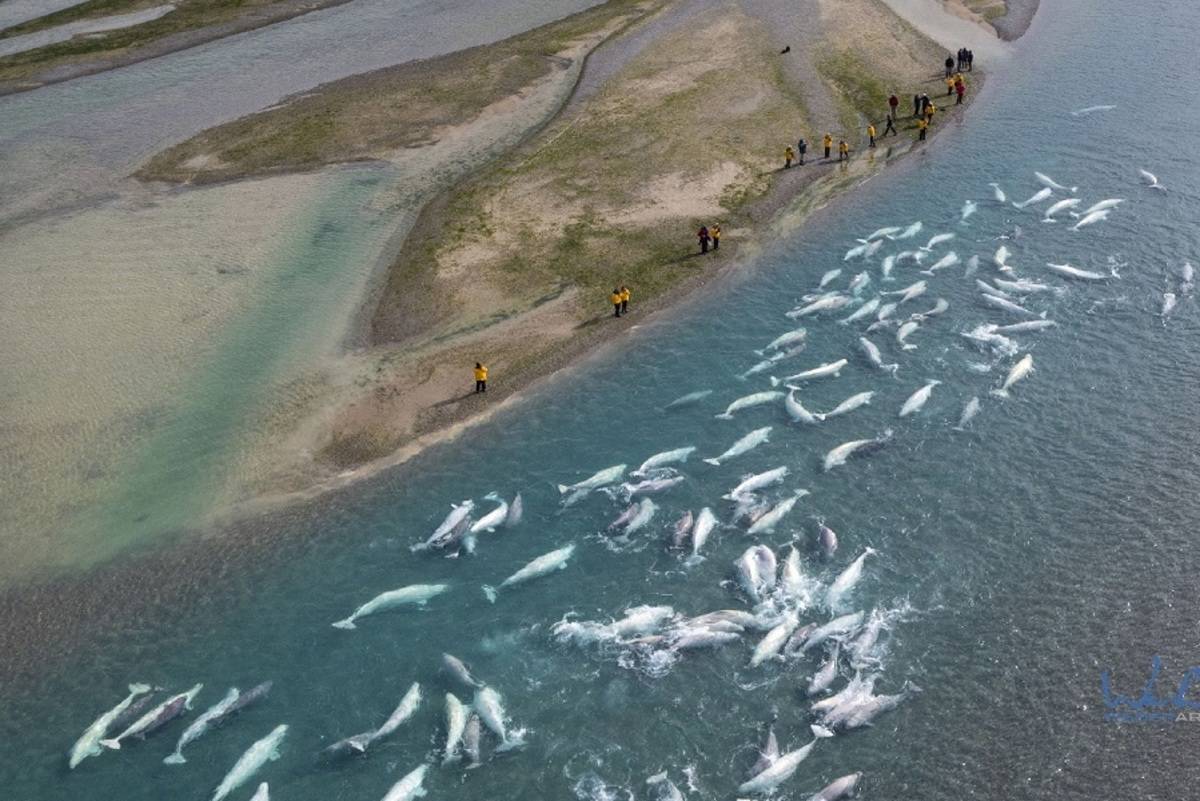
(257, 755)
(988, 289)
(1019, 370)
(858, 283)
(911, 291)
(968, 413)
(545, 564)
(451, 529)
(649, 485)
(493, 519)
(1007, 305)
(767, 754)
(829, 369)
(838, 456)
(456, 726)
(1103, 205)
(769, 646)
(1000, 259)
(838, 788)
(826, 674)
(756, 482)
(827, 540)
(945, 262)
(88, 744)
(402, 714)
(459, 670)
(934, 241)
(516, 512)
(743, 445)
(787, 339)
(795, 584)
(904, 332)
(855, 252)
(918, 399)
(862, 311)
(418, 594)
(863, 713)
(939, 307)
(664, 788)
(624, 518)
(846, 580)
(1091, 219)
(643, 513)
(751, 576)
(850, 404)
(410, 787)
(1024, 286)
(772, 518)
(490, 708)
(862, 647)
(156, 718)
(201, 725)
(972, 266)
(779, 771)
(859, 687)
(682, 530)
(795, 410)
(838, 627)
(910, 231)
(1024, 326)
(1037, 197)
(1074, 272)
(472, 735)
(688, 399)
(886, 267)
(875, 357)
(676, 456)
(829, 276)
(607, 476)
(1047, 181)
(747, 401)
(828, 303)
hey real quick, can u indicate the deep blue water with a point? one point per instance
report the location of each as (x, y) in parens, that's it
(1051, 541)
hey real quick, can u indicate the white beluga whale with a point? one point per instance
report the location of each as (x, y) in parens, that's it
(829, 369)
(1083, 112)
(838, 788)
(772, 518)
(825, 675)
(257, 755)
(1151, 179)
(797, 412)
(664, 458)
(1091, 219)
(859, 282)
(706, 522)
(451, 529)
(1103, 205)
(998, 193)
(1018, 371)
(1007, 305)
(493, 519)
(746, 443)
(409, 787)
(850, 404)
(906, 329)
(459, 670)
(883, 232)
(1036, 197)
(688, 399)
(1047, 181)
(886, 267)
(838, 456)
(829, 303)
(88, 745)
(846, 580)
(1026, 287)
(838, 627)
(934, 241)
(779, 771)
(875, 357)
(1074, 272)
(1061, 205)
(201, 725)
(918, 399)
(829, 276)
(1169, 302)
(418, 594)
(1024, 326)
(756, 482)
(747, 401)
(490, 708)
(545, 564)
(947, 261)
(156, 718)
(456, 726)
(909, 292)
(787, 338)
(910, 231)
(968, 208)
(827, 540)
(607, 476)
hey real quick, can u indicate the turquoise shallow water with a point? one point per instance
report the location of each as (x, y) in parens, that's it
(1052, 541)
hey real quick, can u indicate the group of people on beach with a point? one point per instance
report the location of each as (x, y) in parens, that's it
(963, 61)
(707, 236)
(620, 300)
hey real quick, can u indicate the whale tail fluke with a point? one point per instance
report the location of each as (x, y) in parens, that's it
(725, 416)
(112, 745)
(563, 489)
(515, 740)
(1000, 393)
(892, 368)
(347, 624)
(713, 462)
(490, 592)
(820, 731)
(693, 560)
(140, 688)
(774, 382)
(174, 759)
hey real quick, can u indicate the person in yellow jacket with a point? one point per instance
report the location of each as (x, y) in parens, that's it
(929, 112)
(871, 134)
(624, 299)
(480, 378)
(789, 155)
(615, 297)
(949, 85)
(843, 151)
(828, 143)
(922, 127)
(715, 233)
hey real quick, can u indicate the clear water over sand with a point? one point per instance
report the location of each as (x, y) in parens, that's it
(1053, 540)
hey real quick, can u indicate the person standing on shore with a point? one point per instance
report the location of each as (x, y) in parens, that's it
(843, 150)
(949, 85)
(802, 148)
(949, 66)
(922, 126)
(715, 233)
(703, 236)
(890, 126)
(960, 86)
(828, 143)
(916, 106)
(893, 104)
(789, 155)
(871, 133)
(615, 299)
(929, 112)
(925, 104)
(480, 378)
(624, 299)
(970, 60)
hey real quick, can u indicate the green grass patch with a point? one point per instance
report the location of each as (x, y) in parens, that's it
(856, 83)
